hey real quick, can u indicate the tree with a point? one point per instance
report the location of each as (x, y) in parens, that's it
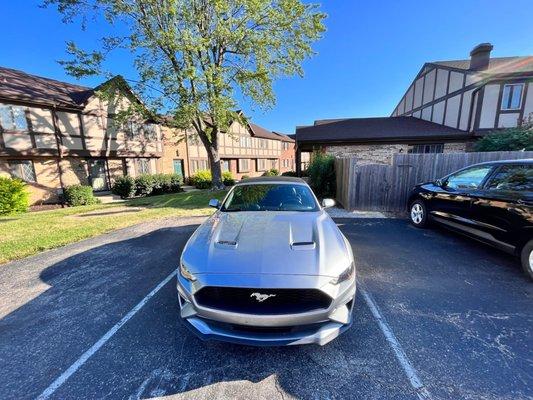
(510, 139)
(193, 56)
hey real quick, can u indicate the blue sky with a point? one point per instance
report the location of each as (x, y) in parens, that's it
(367, 58)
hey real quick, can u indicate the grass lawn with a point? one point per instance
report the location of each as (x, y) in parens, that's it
(26, 234)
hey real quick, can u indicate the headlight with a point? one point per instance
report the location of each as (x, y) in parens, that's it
(348, 273)
(186, 273)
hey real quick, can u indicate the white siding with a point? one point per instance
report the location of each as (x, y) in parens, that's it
(452, 111)
(41, 120)
(429, 87)
(528, 107)
(465, 110)
(442, 82)
(68, 122)
(472, 78)
(456, 81)
(426, 113)
(417, 114)
(508, 120)
(418, 92)
(409, 99)
(438, 112)
(17, 141)
(488, 109)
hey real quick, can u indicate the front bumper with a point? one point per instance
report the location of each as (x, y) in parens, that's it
(317, 326)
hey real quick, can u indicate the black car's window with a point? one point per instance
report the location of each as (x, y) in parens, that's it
(270, 197)
(470, 178)
(518, 178)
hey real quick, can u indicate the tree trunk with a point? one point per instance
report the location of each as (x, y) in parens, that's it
(216, 171)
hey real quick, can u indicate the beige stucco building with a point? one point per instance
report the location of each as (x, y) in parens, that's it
(245, 150)
(55, 134)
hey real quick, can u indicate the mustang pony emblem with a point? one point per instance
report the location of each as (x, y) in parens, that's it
(261, 297)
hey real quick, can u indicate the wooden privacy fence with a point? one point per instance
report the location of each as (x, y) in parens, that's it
(378, 187)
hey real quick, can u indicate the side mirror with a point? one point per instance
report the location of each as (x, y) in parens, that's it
(214, 203)
(327, 203)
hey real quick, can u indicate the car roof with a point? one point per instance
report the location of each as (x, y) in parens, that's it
(273, 179)
(500, 162)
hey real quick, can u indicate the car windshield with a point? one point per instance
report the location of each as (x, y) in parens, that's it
(270, 197)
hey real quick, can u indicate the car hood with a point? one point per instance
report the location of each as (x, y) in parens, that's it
(264, 242)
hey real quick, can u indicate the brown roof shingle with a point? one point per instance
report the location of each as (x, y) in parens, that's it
(261, 132)
(497, 65)
(376, 129)
(19, 85)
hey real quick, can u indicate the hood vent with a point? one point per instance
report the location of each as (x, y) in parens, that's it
(226, 244)
(303, 246)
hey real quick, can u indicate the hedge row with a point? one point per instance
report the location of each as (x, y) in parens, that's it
(146, 185)
(203, 180)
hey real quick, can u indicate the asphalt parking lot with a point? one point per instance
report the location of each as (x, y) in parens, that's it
(98, 319)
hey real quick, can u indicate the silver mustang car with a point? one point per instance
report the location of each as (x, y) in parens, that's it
(270, 267)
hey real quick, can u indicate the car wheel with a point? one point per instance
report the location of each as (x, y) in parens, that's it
(418, 214)
(527, 259)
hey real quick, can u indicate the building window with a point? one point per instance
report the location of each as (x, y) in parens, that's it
(23, 169)
(198, 165)
(426, 148)
(261, 164)
(224, 165)
(244, 165)
(286, 145)
(13, 118)
(150, 131)
(274, 163)
(512, 96)
(263, 144)
(143, 166)
(133, 130)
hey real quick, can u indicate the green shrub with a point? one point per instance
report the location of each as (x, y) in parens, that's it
(201, 179)
(14, 198)
(176, 181)
(144, 185)
(79, 195)
(289, 173)
(271, 172)
(228, 178)
(322, 175)
(124, 186)
(161, 183)
(511, 139)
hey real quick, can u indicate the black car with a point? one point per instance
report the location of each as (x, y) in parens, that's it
(491, 202)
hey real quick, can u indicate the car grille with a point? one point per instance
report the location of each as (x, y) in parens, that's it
(245, 300)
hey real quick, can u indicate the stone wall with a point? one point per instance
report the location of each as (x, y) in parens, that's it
(383, 153)
(368, 154)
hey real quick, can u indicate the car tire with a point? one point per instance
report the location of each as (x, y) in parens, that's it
(418, 214)
(526, 257)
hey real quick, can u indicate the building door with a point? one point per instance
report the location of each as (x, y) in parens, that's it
(97, 175)
(178, 168)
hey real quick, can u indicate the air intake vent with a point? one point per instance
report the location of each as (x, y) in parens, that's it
(226, 244)
(303, 245)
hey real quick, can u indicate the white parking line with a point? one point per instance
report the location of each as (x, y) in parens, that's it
(402, 358)
(95, 347)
